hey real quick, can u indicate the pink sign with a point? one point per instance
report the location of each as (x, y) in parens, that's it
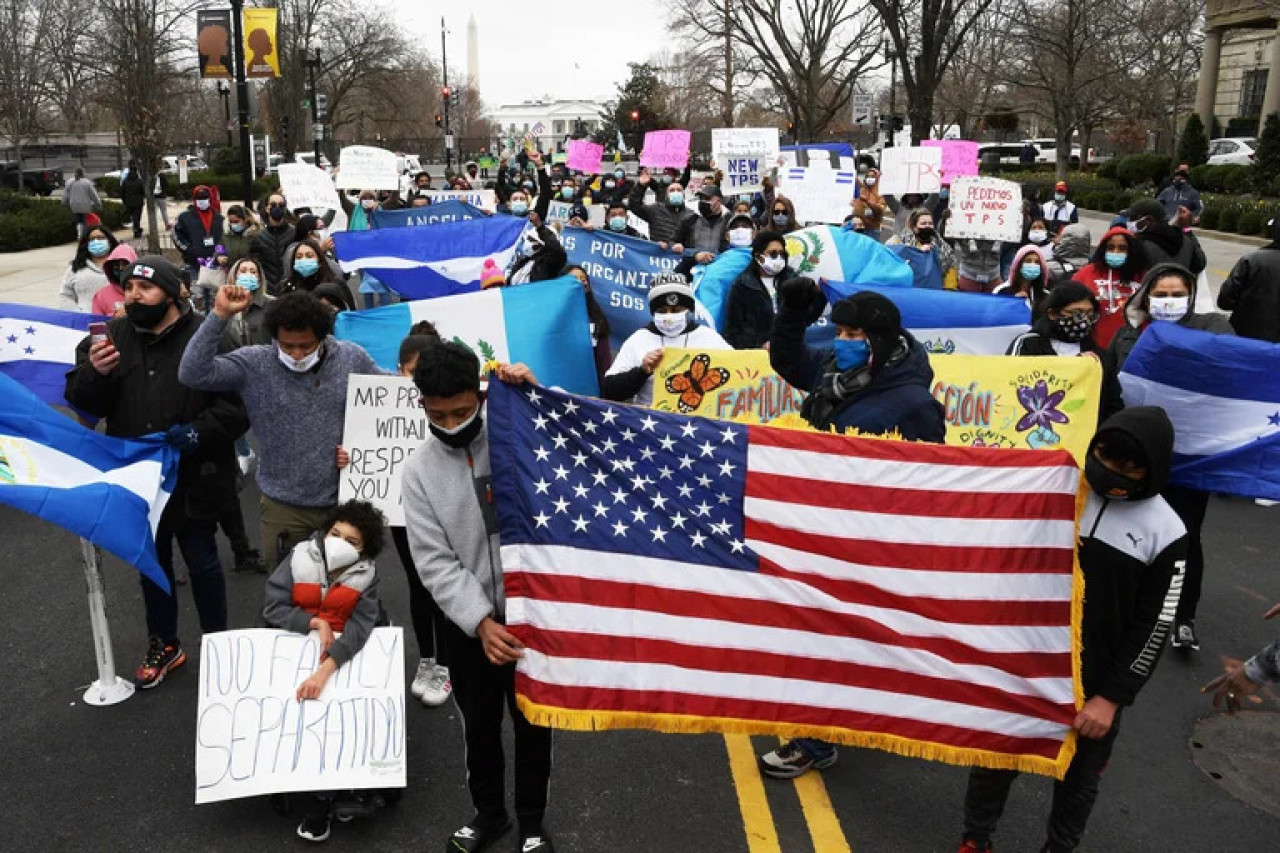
(585, 156)
(959, 157)
(665, 149)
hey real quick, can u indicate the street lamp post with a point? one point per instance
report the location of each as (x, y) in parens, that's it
(242, 101)
(893, 89)
(445, 92)
(313, 63)
(224, 89)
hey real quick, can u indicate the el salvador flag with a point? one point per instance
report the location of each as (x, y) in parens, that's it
(1223, 395)
(949, 321)
(38, 347)
(421, 263)
(544, 325)
(104, 489)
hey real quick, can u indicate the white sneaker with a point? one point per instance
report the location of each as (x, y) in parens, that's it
(246, 462)
(1265, 502)
(439, 687)
(426, 668)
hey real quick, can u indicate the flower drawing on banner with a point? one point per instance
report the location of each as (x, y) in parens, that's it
(808, 248)
(1041, 407)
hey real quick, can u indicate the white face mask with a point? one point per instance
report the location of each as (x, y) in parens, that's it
(740, 237)
(1169, 309)
(871, 182)
(368, 203)
(1038, 236)
(671, 324)
(298, 365)
(460, 427)
(339, 553)
(773, 266)
(202, 203)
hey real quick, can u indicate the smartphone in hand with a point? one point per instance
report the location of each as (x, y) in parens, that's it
(98, 333)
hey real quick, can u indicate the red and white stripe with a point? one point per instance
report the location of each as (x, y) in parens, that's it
(915, 591)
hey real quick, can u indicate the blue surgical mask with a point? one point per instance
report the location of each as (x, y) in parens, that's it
(306, 267)
(1115, 260)
(851, 355)
(944, 193)
(519, 208)
(236, 227)
(566, 193)
(675, 198)
(618, 173)
(99, 247)
(617, 223)
(1030, 271)
(247, 280)
(1059, 196)
(779, 219)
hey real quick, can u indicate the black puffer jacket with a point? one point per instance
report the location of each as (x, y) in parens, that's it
(749, 309)
(268, 250)
(1252, 294)
(1167, 244)
(664, 220)
(1137, 318)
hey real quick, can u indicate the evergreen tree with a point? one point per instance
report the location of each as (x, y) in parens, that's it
(638, 108)
(1193, 145)
(1267, 162)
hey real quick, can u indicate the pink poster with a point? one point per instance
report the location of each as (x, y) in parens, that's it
(959, 157)
(665, 149)
(585, 156)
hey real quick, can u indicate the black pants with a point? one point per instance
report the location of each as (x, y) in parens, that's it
(423, 610)
(231, 520)
(135, 214)
(1073, 797)
(200, 553)
(1190, 505)
(481, 690)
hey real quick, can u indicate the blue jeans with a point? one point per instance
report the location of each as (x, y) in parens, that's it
(200, 553)
(814, 748)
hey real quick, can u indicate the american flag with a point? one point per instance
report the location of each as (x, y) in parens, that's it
(685, 574)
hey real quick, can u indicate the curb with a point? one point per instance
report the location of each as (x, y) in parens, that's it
(1225, 236)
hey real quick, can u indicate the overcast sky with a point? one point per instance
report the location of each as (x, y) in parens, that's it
(530, 50)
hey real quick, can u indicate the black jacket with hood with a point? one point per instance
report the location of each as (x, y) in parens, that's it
(1168, 244)
(1252, 292)
(1137, 318)
(1132, 555)
(749, 309)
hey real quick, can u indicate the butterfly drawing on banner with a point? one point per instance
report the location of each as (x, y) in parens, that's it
(696, 382)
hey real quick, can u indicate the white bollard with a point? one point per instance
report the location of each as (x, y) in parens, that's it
(108, 689)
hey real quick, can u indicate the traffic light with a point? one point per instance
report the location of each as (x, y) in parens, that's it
(635, 115)
(455, 98)
(791, 127)
(439, 120)
(444, 92)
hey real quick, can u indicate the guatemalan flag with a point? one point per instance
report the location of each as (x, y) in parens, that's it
(38, 347)
(544, 325)
(944, 321)
(1223, 395)
(104, 489)
(420, 263)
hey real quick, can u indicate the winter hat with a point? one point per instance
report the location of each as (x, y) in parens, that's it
(159, 272)
(877, 317)
(92, 220)
(670, 288)
(1146, 207)
(491, 275)
(1060, 187)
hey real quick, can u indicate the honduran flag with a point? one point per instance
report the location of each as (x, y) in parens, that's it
(104, 489)
(38, 347)
(948, 321)
(421, 263)
(543, 325)
(449, 210)
(1223, 395)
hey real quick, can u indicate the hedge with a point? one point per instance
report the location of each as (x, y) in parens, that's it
(34, 223)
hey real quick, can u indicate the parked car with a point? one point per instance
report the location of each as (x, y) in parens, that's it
(37, 181)
(1002, 154)
(1047, 151)
(1233, 151)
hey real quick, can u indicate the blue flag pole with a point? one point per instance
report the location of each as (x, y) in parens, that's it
(108, 688)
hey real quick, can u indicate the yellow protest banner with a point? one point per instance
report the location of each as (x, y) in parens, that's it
(988, 401)
(260, 44)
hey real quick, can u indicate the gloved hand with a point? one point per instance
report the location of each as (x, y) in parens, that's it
(799, 293)
(183, 437)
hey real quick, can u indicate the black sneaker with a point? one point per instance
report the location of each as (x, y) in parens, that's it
(250, 561)
(1184, 636)
(314, 828)
(536, 844)
(790, 760)
(160, 659)
(477, 835)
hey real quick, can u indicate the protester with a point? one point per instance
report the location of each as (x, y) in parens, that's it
(329, 584)
(942, 210)
(1246, 679)
(921, 235)
(249, 327)
(1113, 275)
(1060, 212)
(1128, 589)
(1039, 235)
(198, 231)
(762, 203)
(295, 389)
(615, 221)
(85, 277)
(1027, 277)
(614, 188)
(666, 216)
(1180, 200)
(903, 208)
(783, 218)
(671, 302)
(541, 258)
(706, 231)
(160, 192)
(1252, 292)
(1072, 249)
(109, 300)
(81, 198)
(517, 203)
(978, 265)
(276, 235)
(454, 543)
(1163, 243)
(750, 306)
(133, 195)
(131, 380)
(373, 293)
(308, 270)
(598, 321)
(870, 205)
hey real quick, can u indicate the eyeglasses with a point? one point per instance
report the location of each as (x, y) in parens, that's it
(780, 212)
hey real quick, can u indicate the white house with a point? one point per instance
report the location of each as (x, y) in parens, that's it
(550, 121)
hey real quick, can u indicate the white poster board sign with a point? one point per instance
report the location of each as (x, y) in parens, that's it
(483, 199)
(746, 155)
(985, 209)
(254, 737)
(910, 170)
(820, 194)
(363, 167)
(383, 426)
(307, 186)
(559, 211)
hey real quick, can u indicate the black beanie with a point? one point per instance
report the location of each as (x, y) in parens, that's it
(877, 317)
(159, 272)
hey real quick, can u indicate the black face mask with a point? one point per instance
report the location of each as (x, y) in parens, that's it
(704, 207)
(1108, 483)
(924, 235)
(276, 211)
(463, 437)
(146, 316)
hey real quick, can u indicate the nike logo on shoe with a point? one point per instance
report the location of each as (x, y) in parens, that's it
(531, 843)
(465, 832)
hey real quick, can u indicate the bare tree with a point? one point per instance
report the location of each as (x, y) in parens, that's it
(712, 54)
(1161, 41)
(24, 32)
(70, 66)
(973, 83)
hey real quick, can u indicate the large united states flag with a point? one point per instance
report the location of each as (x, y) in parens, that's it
(690, 575)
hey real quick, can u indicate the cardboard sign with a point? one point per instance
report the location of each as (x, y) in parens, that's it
(959, 157)
(746, 155)
(254, 737)
(383, 426)
(910, 170)
(483, 199)
(585, 156)
(307, 186)
(819, 194)
(363, 167)
(725, 384)
(560, 211)
(666, 149)
(985, 209)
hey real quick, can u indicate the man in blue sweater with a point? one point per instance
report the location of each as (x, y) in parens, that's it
(295, 389)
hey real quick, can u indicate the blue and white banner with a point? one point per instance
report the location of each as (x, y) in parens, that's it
(38, 347)
(450, 210)
(1223, 395)
(543, 325)
(107, 490)
(944, 321)
(421, 263)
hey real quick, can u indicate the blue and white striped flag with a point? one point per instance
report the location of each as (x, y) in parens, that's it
(38, 347)
(104, 489)
(1223, 395)
(543, 325)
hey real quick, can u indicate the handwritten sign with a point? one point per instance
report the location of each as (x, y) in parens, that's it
(483, 199)
(985, 209)
(910, 170)
(959, 157)
(307, 186)
(666, 149)
(559, 211)
(751, 391)
(585, 156)
(383, 427)
(254, 737)
(819, 194)
(363, 167)
(745, 154)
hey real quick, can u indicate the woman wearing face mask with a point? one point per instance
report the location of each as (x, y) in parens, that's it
(1038, 235)
(249, 326)
(783, 216)
(109, 300)
(199, 230)
(1066, 318)
(273, 240)
(671, 302)
(311, 228)
(242, 231)
(1113, 275)
(373, 293)
(85, 276)
(873, 204)
(753, 298)
(308, 270)
(921, 235)
(1026, 277)
(905, 206)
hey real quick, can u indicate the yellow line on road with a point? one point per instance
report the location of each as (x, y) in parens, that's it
(824, 826)
(757, 817)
